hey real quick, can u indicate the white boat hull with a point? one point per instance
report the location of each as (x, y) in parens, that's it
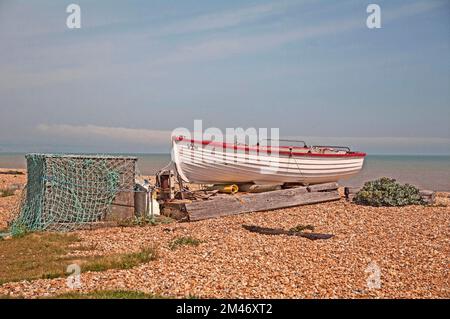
(197, 163)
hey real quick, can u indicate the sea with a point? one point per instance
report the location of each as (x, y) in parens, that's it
(425, 172)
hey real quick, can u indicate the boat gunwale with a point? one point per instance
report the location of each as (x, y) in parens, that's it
(266, 149)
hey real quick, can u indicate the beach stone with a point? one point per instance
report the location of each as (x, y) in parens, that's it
(428, 196)
(426, 193)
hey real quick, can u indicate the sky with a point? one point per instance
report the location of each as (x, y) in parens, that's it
(136, 70)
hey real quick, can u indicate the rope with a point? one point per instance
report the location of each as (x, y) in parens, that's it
(296, 163)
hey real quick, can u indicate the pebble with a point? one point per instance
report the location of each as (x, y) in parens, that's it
(410, 245)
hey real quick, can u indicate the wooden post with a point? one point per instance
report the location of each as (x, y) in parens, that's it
(167, 185)
(180, 185)
(350, 192)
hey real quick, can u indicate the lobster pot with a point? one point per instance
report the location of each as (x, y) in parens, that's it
(64, 192)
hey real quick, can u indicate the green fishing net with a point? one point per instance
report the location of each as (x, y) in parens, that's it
(65, 192)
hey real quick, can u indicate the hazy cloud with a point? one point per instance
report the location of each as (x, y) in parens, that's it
(226, 46)
(225, 19)
(121, 136)
(117, 134)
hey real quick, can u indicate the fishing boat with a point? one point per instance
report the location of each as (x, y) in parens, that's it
(211, 162)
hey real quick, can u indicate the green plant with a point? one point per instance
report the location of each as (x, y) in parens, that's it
(387, 192)
(10, 297)
(35, 255)
(107, 294)
(98, 294)
(53, 275)
(122, 261)
(19, 230)
(47, 255)
(181, 241)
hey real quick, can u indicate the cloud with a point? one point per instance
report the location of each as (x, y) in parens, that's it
(92, 135)
(411, 9)
(97, 55)
(386, 145)
(226, 19)
(216, 48)
(224, 47)
(105, 133)
(15, 80)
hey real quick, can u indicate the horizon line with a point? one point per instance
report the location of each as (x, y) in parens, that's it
(168, 153)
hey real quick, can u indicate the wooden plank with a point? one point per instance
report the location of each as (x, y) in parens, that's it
(292, 185)
(118, 212)
(232, 205)
(12, 172)
(256, 188)
(175, 210)
(279, 231)
(124, 199)
(323, 187)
